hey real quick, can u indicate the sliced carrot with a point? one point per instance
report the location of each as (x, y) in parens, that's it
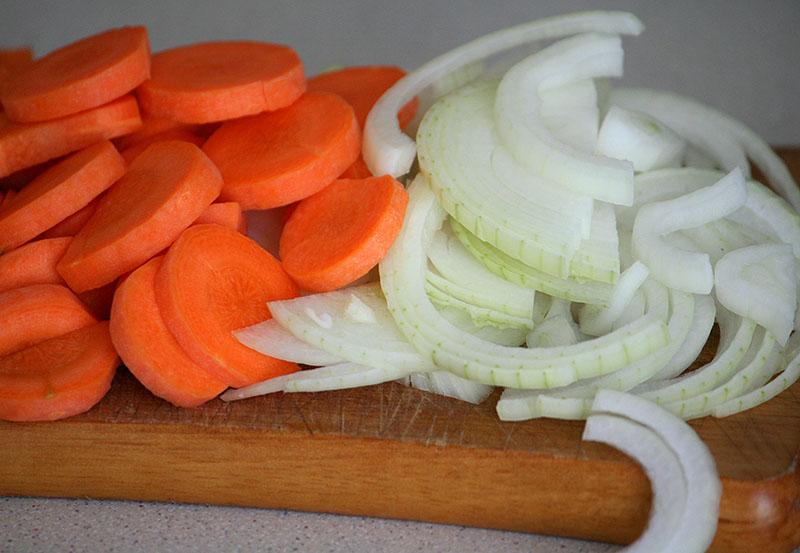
(337, 235)
(19, 179)
(80, 76)
(148, 348)
(26, 144)
(277, 158)
(215, 81)
(13, 61)
(227, 214)
(362, 86)
(59, 377)
(98, 300)
(33, 263)
(59, 192)
(357, 170)
(133, 152)
(165, 189)
(152, 126)
(72, 224)
(35, 313)
(203, 302)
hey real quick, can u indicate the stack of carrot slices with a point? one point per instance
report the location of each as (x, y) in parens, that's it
(137, 248)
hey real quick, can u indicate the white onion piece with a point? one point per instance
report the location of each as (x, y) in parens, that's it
(705, 310)
(341, 377)
(703, 487)
(270, 338)
(403, 280)
(501, 336)
(269, 386)
(387, 150)
(687, 271)
(769, 214)
(447, 384)
(696, 158)
(662, 467)
(570, 112)
(760, 282)
(632, 311)
(640, 139)
(718, 131)
(595, 320)
(781, 382)
(522, 130)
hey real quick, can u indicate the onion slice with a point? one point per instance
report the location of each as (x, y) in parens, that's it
(698, 518)
(387, 150)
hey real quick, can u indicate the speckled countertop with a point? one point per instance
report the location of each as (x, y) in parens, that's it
(60, 525)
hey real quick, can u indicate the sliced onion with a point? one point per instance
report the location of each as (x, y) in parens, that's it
(640, 139)
(662, 467)
(387, 150)
(699, 516)
(713, 131)
(597, 321)
(760, 282)
(270, 338)
(523, 132)
(447, 384)
(687, 271)
(705, 311)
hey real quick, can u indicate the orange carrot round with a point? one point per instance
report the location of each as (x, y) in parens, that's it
(152, 126)
(38, 312)
(27, 144)
(215, 81)
(80, 76)
(149, 350)
(277, 158)
(33, 263)
(98, 300)
(337, 235)
(362, 86)
(357, 170)
(59, 192)
(132, 152)
(202, 302)
(58, 378)
(165, 189)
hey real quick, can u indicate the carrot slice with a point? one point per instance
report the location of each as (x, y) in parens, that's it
(337, 235)
(165, 189)
(33, 263)
(26, 144)
(215, 81)
(149, 350)
(59, 192)
(362, 86)
(131, 153)
(59, 377)
(227, 214)
(203, 302)
(277, 158)
(80, 76)
(357, 170)
(38, 312)
(13, 61)
(98, 300)
(152, 126)
(74, 223)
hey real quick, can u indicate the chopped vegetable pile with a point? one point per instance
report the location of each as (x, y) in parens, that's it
(547, 232)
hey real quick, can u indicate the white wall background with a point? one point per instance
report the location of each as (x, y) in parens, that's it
(741, 56)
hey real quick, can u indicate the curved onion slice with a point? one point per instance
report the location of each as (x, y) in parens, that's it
(705, 311)
(387, 150)
(522, 130)
(447, 384)
(662, 468)
(713, 131)
(640, 139)
(698, 519)
(570, 112)
(597, 321)
(270, 338)
(760, 282)
(676, 268)
(403, 281)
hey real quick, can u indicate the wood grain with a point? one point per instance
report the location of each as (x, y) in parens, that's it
(391, 451)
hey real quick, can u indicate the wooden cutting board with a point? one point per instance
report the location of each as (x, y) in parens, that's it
(396, 452)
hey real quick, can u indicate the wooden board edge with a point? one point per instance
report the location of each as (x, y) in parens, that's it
(490, 488)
